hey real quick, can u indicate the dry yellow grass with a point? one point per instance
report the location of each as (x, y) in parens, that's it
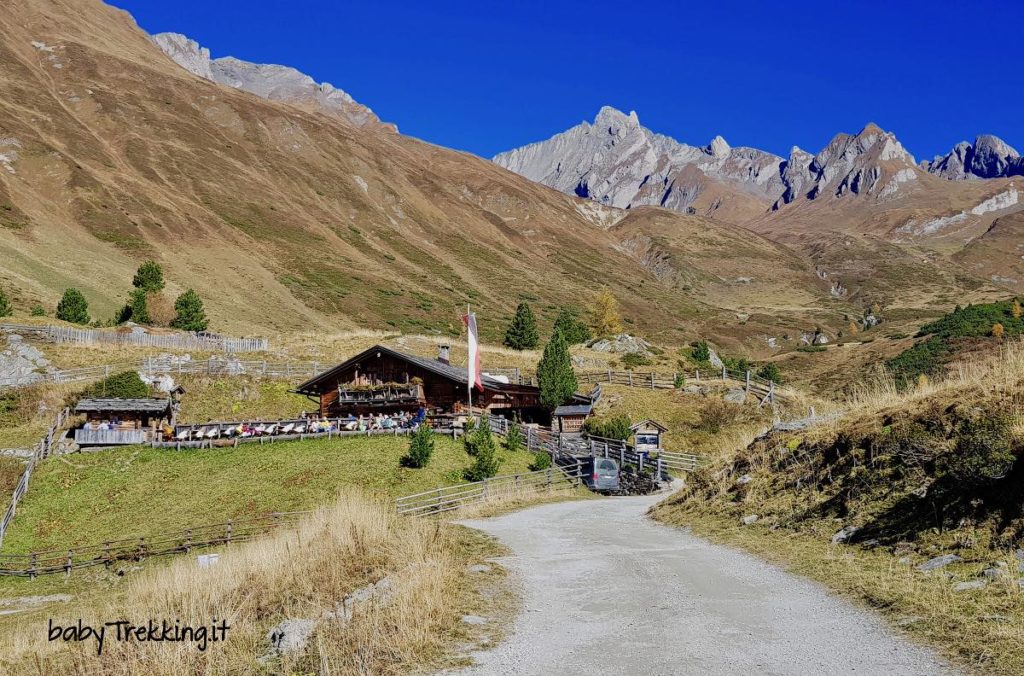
(301, 573)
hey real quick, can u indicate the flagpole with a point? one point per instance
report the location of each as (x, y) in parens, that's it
(469, 370)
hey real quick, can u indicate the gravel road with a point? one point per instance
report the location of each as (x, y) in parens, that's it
(609, 591)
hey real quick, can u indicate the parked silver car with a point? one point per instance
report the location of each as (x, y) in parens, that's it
(601, 474)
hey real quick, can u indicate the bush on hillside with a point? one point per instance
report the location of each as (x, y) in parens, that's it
(73, 307)
(541, 460)
(189, 312)
(770, 371)
(573, 328)
(633, 359)
(522, 332)
(611, 427)
(124, 385)
(982, 450)
(149, 277)
(485, 452)
(701, 352)
(925, 358)
(421, 447)
(38, 311)
(514, 439)
(716, 414)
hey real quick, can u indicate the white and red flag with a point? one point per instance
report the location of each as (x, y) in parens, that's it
(469, 319)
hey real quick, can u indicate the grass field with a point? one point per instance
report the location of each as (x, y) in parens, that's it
(89, 498)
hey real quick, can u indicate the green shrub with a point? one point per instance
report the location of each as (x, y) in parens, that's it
(701, 353)
(717, 414)
(612, 427)
(73, 307)
(486, 453)
(770, 371)
(680, 381)
(514, 439)
(811, 348)
(421, 447)
(982, 450)
(123, 385)
(138, 307)
(634, 359)
(736, 364)
(38, 311)
(541, 460)
(925, 358)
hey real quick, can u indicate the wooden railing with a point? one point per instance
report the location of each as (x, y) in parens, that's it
(141, 547)
(386, 394)
(88, 437)
(752, 383)
(450, 498)
(43, 449)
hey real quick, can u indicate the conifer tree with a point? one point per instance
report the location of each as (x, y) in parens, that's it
(190, 315)
(5, 305)
(73, 307)
(149, 277)
(573, 330)
(138, 307)
(522, 332)
(554, 373)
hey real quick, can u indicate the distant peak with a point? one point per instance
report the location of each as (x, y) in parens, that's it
(870, 128)
(719, 147)
(609, 115)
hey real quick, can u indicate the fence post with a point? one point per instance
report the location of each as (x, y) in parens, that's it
(67, 564)
(106, 554)
(188, 540)
(652, 380)
(230, 529)
(748, 382)
(142, 548)
(724, 373)
(579, 472)
(659, 469)
(550, 472)
(609, 376)
(32, 569)
(622, 456)
(630, 373)
(697, 372)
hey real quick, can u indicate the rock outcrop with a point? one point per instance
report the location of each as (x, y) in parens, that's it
(871, 162)
(988, 157)
(618, 162)
(268, 81)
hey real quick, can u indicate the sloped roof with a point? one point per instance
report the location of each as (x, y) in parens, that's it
(455, 373)
(577, 409)
(123, 405)
(649, 423)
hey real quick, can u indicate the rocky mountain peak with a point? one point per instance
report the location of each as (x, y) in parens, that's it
(988, 157)
(718, 147)
(614, 119)
(268, 81)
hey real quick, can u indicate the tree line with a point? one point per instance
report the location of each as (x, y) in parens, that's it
(146, 304)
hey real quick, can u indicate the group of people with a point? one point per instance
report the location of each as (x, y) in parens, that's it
(405, 420)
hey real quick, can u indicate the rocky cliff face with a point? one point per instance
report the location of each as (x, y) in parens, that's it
(618, 162)
(988, 157)
(871, 162)
(269, 81)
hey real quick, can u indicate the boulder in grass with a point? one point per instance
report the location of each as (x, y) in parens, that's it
(749, 519)
(939, 562)
(844, 535)
(971, 585)
(291, 635)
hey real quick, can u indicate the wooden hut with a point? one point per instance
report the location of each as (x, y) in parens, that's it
(383, 380)
(111, 422)
(647, 435)
(569, 419)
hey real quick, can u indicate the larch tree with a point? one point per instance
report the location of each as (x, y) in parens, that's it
(605, 319)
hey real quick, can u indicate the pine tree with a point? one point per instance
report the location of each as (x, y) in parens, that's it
(573, 330)
(514, 441)
(604, 315)
(190, 313)
(149, 277)
(138, 306)
(73, 307)
(701, 352)
(5, 305)
(555, 375)
(487, 461)
(522, 332)
(420, 448)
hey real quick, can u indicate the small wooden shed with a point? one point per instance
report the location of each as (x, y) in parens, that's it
(110, 422)
(647, 435)
(569, 419)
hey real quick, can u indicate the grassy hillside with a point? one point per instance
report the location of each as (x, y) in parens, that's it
(87, 498)
(906, 476)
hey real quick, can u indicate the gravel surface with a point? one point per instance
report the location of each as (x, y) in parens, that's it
(609, 591)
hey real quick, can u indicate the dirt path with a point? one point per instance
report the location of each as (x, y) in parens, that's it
(608, 591)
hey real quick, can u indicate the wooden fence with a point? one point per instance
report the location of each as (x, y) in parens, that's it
(174, 341)
(449, 498)
(767, 390)
(138, 548)
(42, 450)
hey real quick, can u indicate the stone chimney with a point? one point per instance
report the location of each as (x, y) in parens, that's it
(443, 354)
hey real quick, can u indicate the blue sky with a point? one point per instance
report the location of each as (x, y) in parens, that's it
(488, 76)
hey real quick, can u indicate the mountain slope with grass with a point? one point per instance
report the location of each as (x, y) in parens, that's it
(280, 215)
